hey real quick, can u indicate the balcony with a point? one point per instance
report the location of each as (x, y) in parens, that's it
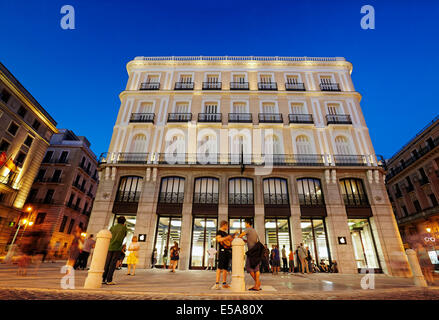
(171, 197)
(270, 118)
(42, 201)
(241, 198)
(293, 159)
(179, 117)
(300, 118)
(209, 117)
(299, 86)
(409, 188)
(211, 85)
(350, 160)
(132, 157)
(184, 86)
(142, 117)
(267, 86)
(239, 86)
(78, 186)
(276, 199)
(150, 86)
(240, 117)
(338, 119)
(330, 87)
(59, 161)
(421, 152)
(48, 180)
(206, 198)
(85, 169)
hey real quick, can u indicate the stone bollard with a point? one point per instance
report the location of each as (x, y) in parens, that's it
(94, 277)
(418, 277)
(238, 283)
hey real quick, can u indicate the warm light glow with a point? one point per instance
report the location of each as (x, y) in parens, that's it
(30, 223)
(24, 221)
(428, 229)
(29, 209)
(83, 234)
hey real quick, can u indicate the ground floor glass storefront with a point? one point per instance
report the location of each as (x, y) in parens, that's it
(314, 236)
(277, 232)
(203, 237)
(363, 243)
(168, 232)
(237, 225)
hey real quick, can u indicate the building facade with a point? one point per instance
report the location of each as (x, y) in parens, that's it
(62, 194)
(281, 140)
(25, 131)
(413, 186)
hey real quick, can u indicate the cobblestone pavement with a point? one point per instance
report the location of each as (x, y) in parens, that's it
(44, 283)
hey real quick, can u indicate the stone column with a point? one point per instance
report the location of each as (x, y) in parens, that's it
(418, 277)
(296, 230)
(94, 277)
(185, 237)
(238, 283)
(259, 222)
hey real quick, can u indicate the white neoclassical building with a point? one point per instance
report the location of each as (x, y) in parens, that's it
(280, 140)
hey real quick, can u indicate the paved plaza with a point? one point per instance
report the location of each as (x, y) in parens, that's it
(45, 283)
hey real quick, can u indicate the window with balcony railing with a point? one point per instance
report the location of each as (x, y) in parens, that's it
(300, 118)
(240, 117)
(179, 117)
(310, 192)
(275, 191)
(338, 119)
(211, 85)
(353, 192)
(130, 188)
(206, 190)
(270, 117)
(172, 190)
(150, 86)
(142, 117)
(241, 191)
(239, 86)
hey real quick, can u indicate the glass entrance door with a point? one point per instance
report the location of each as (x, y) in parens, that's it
(203, 237)
(364, 244)
(277, 232)
(314, 237)
(168, 232)
(237, 224)
(130, 224)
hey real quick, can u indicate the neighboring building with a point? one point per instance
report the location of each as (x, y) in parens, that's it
(281, 140)
(63, 192)
(25, 132)
(413, 186)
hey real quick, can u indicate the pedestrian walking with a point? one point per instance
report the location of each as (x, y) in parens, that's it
(302, 257)
(284, 259)
(165, 258)
(291, 261)
(425, 263)
(310, 260)
(211, 252)
(153, 258)
(118, 232)
(89, 244)
(265, 266)
(276, 259)
(119, 262)
(175, 256)
(255, 254)
(133, 256)
(75, 248)
(224, 241)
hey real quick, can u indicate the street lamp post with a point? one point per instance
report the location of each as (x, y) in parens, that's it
(11, 250)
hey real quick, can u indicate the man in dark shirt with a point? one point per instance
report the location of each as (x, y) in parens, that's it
(224, 254)
(118, 232)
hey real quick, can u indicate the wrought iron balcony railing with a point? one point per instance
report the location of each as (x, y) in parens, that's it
(179, 117)
(350, 160)
(171, 197)
(355, 200)
(330, 87)
(300, 118)
(48, 180)
(209, 117)
(276, 199)
(206, 198)
(184, 86)
(338, 119)
(241, 198)
(423, 181)
(150, 86)
(61, 161)
(299, 86)
(270, 118)
(239, 86)
(127, 196)
(142, 117)
(311, 200)
(267, 85)
(293, 159)
(211, 85)
(240, 117)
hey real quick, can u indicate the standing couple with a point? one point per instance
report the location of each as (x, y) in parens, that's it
(254, 254)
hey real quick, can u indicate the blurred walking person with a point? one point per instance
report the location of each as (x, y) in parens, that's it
(175, 256)
(302, 254)
(211, 260)
(425, 263)
(284, 259)
(291, 261)
(133, 256)
(153, 258)
(75, 248)
(118, 232)
(89, 244)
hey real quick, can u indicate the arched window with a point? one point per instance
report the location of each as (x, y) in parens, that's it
(171, 190)
(353, 192)
(129, 189)
(310, 192)
(206, 190)
(303, 145)
(139, 144)
(275, 191)
(342, 145)
(272, 145)
(241, 191)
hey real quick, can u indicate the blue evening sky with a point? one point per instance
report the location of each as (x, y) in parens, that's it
(77, 75)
